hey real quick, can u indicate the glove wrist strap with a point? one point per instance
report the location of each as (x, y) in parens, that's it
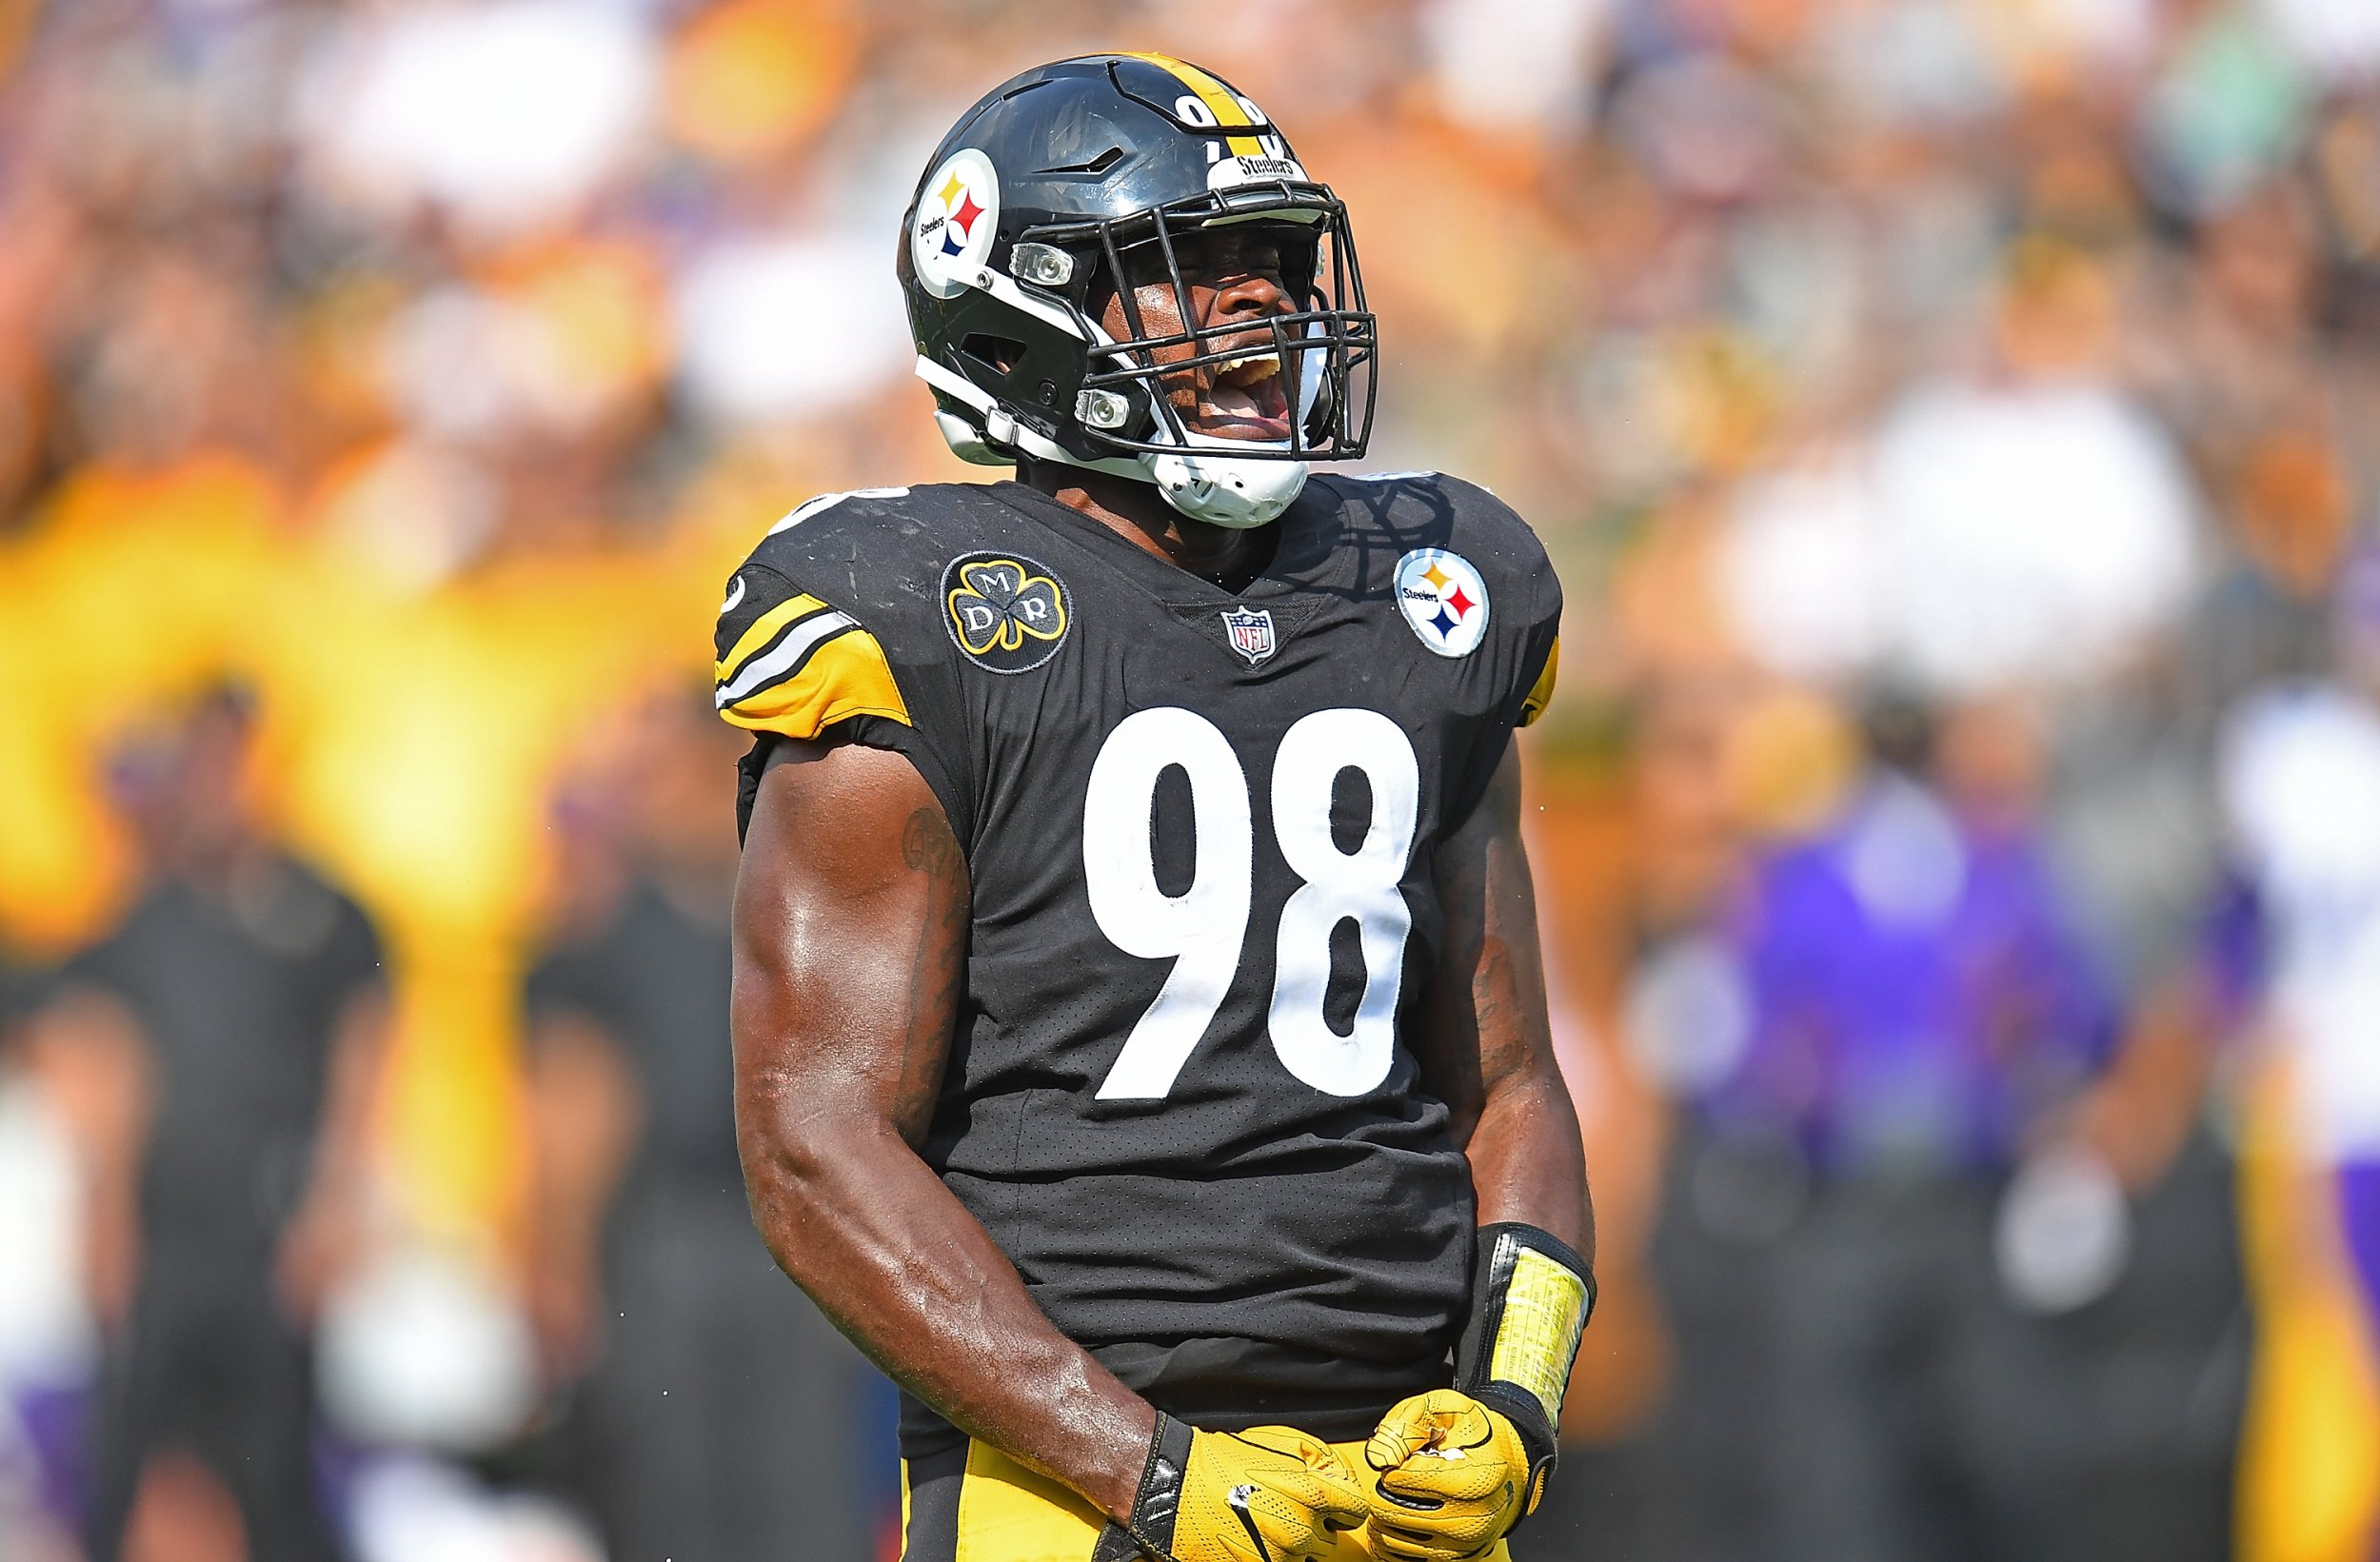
(1150, 1532)
(1530, 1298)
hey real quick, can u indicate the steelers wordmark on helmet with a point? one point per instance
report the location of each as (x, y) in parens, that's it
(1006, 612)
(1444, 599)
(958, 213)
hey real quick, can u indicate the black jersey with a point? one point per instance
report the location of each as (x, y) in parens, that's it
(1200, 829)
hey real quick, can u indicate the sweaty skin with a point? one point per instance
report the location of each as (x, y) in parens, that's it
(850, 963)
(850, 956)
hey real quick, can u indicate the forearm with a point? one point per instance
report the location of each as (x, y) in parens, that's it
(904, 1269)
(1526, 1160)
(1488, 1042)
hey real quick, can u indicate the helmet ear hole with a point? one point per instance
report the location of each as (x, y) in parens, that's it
(1000, 354)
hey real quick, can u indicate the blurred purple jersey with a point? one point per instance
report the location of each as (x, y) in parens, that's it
(1918, 994)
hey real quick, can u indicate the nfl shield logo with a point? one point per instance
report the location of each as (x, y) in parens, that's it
(1251, 632)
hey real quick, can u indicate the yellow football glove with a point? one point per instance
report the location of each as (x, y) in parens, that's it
(1460, 1467)
(1266, 1494)
(1454, 1477)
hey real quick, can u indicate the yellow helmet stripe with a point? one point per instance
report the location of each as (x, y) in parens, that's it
(1214, 94)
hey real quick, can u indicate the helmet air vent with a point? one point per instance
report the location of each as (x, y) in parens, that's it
(1098, 165)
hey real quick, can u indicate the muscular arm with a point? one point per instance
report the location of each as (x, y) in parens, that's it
(1486, 1045)
(850, 951)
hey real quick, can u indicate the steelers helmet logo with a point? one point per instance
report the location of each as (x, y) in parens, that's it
(1444, 599)
(1008, 614)
(957, 215)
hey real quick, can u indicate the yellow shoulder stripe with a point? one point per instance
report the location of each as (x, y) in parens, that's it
(763, 629)
(1214, 94)
(842, 676)
(1541, 693)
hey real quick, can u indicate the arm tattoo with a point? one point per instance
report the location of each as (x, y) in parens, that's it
(1502, 1040)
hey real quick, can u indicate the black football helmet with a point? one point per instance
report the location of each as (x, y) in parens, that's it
(1058, 191)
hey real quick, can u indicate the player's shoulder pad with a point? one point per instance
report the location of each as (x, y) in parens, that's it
(1432, 510)
(816, 619)
(1431, 513)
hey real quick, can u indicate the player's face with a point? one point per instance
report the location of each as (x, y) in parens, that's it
(1232, 276)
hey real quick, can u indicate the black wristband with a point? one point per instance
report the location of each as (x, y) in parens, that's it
(1530, 1299)
(1157, 1502)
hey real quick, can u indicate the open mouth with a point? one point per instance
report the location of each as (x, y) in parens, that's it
(1245, 398)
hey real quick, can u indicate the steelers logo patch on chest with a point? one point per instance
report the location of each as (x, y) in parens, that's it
(1444, 599)
(1006, 612)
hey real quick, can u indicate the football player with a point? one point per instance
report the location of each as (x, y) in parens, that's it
(1140, 1040)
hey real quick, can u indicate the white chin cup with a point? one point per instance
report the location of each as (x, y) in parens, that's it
(1224, 492)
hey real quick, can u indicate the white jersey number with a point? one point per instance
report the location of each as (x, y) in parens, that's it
(1204, 929)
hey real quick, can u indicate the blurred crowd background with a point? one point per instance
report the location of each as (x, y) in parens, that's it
(1958, 830)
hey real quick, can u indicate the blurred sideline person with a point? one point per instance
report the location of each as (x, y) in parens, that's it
(227, 1038)
(2300, 767)
(1923, 1013)
(44, 1360)
(718, 1404)
(1142, 1044)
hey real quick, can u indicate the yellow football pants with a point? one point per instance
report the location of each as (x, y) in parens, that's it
(1008, 1513)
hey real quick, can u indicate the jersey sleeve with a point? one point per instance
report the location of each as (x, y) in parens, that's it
(791, 664)
(1520, 658)
(1541, 692)
(825, 630)
(1530, 659)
